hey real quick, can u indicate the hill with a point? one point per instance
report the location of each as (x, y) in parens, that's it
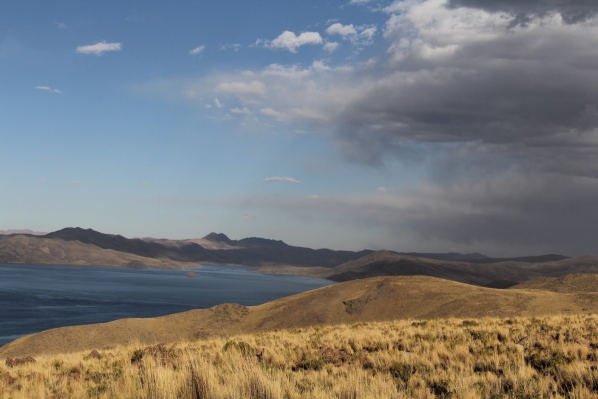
(39, 250)
(494, 275)
(214, 248)
(220, 249)
(368, 300)
(546, 357)
(571, 283)
(23, 231)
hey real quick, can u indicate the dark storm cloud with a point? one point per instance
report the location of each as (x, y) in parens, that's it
(572, 11)
(495, 102)
(531, 92)
(505, 116)
(508, 216)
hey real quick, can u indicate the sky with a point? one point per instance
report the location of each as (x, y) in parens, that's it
(409, 125)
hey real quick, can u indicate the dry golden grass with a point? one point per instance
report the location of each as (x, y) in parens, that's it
(369, 300)
(543, 357)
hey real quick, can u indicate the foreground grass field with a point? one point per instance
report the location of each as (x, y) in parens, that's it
(489, 358)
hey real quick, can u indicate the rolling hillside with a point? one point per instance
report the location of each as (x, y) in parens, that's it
(571, 283)
(503, 274)
(39, 250)
(369, 300)
(214, 248)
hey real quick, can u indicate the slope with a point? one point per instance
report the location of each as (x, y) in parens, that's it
(496, 275)
(375, 299)
(571, 283)
(36, 250)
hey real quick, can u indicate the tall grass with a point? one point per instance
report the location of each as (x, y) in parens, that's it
(552, 357)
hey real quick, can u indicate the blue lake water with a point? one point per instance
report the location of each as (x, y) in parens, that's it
(34, 298)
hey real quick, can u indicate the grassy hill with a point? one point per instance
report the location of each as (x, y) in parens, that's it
(548, 357)
(571, 283)
(368, 300)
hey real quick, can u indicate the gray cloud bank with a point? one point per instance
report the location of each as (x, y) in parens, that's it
(499, 99)
(572, 11)
(509, 216)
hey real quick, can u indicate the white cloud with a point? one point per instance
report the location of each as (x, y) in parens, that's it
(243, 111)
(320, 66)
(234, 47)
(47, 88)
(208, 106)
(292, 71)
(271, 112)
(359, 2)
(249, 216)
(340, 29)
(288, 40)
(99, 48)
(382, 189)
(369, 33)
(359, 36)
(281, 179)
(197, 50)
(218, 103)
(331, 46)
(61, 25)
(242, 89)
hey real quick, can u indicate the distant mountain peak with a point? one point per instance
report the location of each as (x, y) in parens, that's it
(22, 231)
(218, 237)
(258, 241)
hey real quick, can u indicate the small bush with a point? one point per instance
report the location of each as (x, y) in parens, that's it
(137, 356)
(441, 388)
(243, 347)
(94, 392)
(401, 371)
(548, 363)
(315, 363)
(57, 364)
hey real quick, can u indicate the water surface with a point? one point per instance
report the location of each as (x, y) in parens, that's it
(34, 298)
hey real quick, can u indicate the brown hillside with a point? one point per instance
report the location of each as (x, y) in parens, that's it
(495, 275)
(375, 299)
(579, 283)
(36, 250)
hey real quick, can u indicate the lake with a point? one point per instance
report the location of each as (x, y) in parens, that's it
(34, 298)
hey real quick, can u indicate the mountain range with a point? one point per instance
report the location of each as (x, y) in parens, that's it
(88, 247)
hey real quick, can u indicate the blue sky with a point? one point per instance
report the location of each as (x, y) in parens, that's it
(325, 124)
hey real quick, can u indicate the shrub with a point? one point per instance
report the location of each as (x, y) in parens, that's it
(401, 371)
(315, 363)
(137, 356)
(243, 347)
(441, 388)
(548, 363)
